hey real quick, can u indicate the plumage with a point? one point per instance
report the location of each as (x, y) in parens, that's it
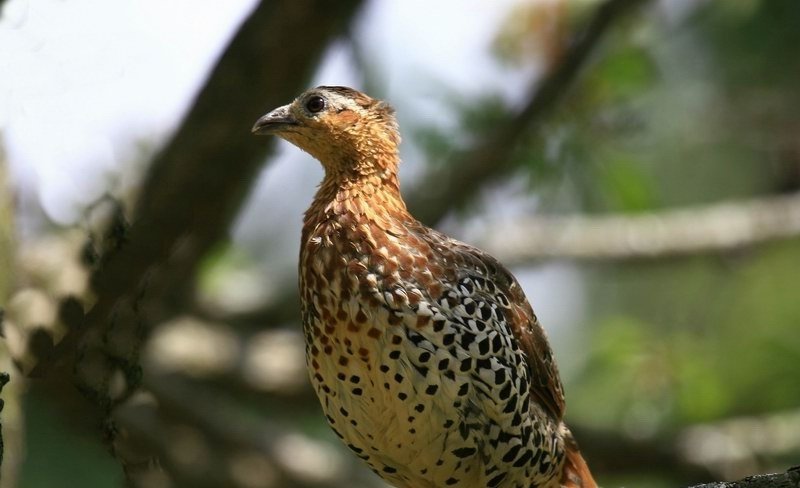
(427, 358)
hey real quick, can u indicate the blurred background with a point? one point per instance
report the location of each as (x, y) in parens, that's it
(636, 162)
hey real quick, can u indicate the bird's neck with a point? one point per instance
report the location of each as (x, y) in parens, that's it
(367, 194)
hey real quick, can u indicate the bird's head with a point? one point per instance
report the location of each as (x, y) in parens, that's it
(344, 129)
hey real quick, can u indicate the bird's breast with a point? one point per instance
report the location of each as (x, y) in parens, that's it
(417, 370)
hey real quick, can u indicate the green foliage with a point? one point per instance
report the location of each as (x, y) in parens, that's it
(58, 456)
(628, 186)
(697, 341)
(476, 118)
(628, 72)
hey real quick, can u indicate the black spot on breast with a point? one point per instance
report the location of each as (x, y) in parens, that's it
(497, 344)
(496, 480)
(470, 308)
(511, 405)
(464, 452)
(526, 456)
(512, 453)
(467, 338)
(505, 392)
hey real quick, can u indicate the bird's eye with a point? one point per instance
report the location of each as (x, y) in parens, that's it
(315, 104)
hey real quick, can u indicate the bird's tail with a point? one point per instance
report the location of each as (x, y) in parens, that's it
(575, 473)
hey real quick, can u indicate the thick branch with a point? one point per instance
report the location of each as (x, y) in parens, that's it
(188, 201)
(713, 228)
(789, 479)
(452, 185)
(197, 183)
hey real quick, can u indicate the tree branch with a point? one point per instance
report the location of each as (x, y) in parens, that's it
(199, 180)
(789, 479)
(452, 185)
(224, 437)
(188, 200)
(712, 228)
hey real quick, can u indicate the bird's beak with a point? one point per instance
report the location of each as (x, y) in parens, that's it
(274, 121)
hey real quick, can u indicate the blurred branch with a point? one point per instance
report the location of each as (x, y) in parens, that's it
(612, 452)
(452, 185)
(11, 430)
(728, 449)
(198, 181)
(190, 196)
(231, 448)
(735, 447)
(713, 228)
(789, 479)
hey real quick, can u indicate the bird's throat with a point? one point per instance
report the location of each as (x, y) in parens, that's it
(354, 197)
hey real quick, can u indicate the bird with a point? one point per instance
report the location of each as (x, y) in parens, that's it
(426, 356)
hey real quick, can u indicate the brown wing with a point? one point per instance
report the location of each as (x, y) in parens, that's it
(545, 382)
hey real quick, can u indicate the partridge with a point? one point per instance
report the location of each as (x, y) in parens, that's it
(427, 358)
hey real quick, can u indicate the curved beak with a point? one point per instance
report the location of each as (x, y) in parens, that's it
(274, 121)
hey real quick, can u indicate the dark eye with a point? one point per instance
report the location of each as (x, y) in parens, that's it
(315, 104)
